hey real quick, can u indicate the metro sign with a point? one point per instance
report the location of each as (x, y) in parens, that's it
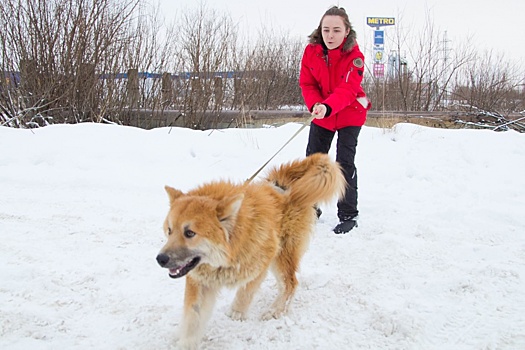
(380, 21)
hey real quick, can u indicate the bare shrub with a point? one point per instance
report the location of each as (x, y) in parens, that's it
(206, 40)
(118, 61)
(490, 83)
(59, 47)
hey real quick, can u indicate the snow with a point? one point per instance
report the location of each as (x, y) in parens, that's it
(437, 262)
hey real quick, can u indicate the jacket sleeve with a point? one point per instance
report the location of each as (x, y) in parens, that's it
(349, 89)
(309, 85)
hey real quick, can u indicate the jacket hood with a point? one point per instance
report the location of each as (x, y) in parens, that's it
(348, 45)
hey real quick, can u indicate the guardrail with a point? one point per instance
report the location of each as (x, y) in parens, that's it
(148, 119)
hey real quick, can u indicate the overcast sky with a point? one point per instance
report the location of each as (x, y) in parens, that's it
(496, 25)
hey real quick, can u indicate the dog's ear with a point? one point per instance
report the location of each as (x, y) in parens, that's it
(173, 194)
(227, 211)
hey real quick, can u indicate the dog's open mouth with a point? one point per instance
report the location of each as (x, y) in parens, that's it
(180, 271)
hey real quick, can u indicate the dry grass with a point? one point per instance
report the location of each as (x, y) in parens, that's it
(388, 122)
(384, 122)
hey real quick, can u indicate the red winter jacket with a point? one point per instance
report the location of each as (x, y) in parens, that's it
(335, 80)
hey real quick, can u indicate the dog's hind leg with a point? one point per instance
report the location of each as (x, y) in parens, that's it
(284, 268)
(199, 301)
(295, 240)
(244, 297)
(286, 282)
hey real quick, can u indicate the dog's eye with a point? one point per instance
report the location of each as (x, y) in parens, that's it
(189, 234)
(169, 231)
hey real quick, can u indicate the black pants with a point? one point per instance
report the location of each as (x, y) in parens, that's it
(319, 141)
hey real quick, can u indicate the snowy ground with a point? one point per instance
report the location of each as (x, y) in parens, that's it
(438, 261)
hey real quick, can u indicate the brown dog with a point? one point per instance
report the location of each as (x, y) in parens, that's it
(223, 234)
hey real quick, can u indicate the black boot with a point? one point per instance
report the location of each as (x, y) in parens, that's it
(345, 226)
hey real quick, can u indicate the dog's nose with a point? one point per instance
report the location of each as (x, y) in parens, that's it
(163, 259)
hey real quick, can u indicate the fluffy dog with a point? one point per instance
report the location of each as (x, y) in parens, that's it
(223, 234)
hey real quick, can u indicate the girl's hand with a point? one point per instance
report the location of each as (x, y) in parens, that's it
(319, 111)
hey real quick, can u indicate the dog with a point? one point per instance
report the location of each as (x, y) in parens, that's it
(223, 234)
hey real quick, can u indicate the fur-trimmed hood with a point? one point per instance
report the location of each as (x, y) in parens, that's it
(348, 45)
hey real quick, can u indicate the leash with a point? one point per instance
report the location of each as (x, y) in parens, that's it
(276, 153)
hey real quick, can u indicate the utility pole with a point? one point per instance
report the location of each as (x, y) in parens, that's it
(445, 70)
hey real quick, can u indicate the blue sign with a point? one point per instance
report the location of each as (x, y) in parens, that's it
(379, 37)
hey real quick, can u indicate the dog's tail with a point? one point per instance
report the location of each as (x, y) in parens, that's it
(315, 179)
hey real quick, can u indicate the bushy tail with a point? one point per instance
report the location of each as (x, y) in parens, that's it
(313, 180)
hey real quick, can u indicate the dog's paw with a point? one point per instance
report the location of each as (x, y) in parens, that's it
(271, 315)
(236, 315)
(187, 344)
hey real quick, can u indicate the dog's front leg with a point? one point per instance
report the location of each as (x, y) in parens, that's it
(244, 297)
(198, 306)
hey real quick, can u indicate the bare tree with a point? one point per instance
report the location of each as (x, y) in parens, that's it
(118, 61)
(423, 66)
(490, 83)
(58, 47)
(206, 40)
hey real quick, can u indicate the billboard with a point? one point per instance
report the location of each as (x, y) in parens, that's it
(379, 37)
(379, 42)
(378, 56)
(380, 21)
(379, 70)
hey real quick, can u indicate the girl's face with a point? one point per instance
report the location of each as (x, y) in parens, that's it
(333, 31)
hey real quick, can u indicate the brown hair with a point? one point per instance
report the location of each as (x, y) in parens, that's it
(317, 38)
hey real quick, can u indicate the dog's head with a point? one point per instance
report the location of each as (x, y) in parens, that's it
(198, 230)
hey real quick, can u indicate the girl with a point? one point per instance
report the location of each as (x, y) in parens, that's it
(332, 69)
